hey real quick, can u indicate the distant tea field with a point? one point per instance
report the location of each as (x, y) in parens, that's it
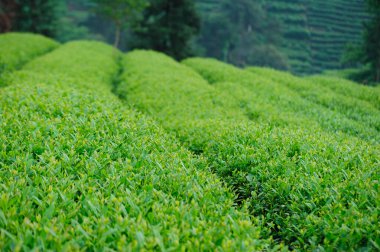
(102, 150)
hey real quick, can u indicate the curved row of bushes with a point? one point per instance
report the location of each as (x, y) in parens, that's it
(316, 188)
(348, 88)
(284, 97)
(18, 48)
(364, 112)
(80, 171)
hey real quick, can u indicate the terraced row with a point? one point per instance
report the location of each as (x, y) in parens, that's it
(80, 171)
(282, 92)
(317, 32)
(311, 180)
(364, 112)
(18, 48)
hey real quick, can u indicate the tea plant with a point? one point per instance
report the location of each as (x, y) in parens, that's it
(349, 88)
(221, 159)
(312, 179)
(283, 98)
(18, 48)
(81, 171)
(356, 109)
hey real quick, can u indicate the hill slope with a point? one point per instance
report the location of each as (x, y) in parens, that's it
(317, 31)
(193, 155)
(81, 171)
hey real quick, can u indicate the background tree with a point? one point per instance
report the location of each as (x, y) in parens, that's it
(73, 21)
(216, 29)
(119, 12)
(37, 16)
(364, 58)
(7, 14)
(168, 26)
(240, 32)
(371, 46)
(79, 21)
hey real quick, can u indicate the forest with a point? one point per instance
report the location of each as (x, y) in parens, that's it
(303, 37)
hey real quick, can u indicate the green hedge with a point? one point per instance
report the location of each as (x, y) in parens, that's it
(349, 88)
(356, 109)
(81, 171)
(191, 100)
(18, 48)
(283, 98)
(315, 189)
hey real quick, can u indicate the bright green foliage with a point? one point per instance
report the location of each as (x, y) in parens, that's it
(80, 171)
(315, 187)
(18, 48)
(71, 61)
(345, 87)
(355, 109)
(278, 97)
(195, 98)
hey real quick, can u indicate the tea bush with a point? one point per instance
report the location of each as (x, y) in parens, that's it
(224, 159)
(81, 171)
(349, 88)
(357, 109)
(18, 48)
(311, 174)
(279, 96)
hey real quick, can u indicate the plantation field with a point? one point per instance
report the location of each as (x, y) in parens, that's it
(102, 150)
(317, 31)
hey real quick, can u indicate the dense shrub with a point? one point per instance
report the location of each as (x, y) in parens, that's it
(18, 48)
(282, 97)
(81, 171)
(313, 180)
(351, 89)
(359, 110)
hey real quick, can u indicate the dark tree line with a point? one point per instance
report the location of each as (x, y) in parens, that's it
(167, 26)
(371, 45)
(242, 33)
(163, 25)
(37, 16)
(120, 13)
(239, 31)
(7, 15)
(366, 56)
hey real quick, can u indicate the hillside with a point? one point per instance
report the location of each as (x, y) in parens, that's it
(317, 31)
(101, 150)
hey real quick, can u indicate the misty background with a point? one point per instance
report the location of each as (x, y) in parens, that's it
(301, 36)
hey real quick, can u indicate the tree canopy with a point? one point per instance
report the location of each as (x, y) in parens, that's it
(37, 16)
(242, 33)
(119, 12)
(168, 26)
(371, 47)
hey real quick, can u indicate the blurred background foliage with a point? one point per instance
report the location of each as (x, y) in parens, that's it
(304, 37)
